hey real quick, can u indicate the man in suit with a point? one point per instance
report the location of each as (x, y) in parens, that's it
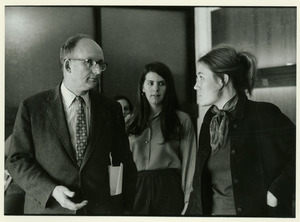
(64, 170)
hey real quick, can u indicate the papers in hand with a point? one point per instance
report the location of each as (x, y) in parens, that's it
(7, 180)
(115, 179)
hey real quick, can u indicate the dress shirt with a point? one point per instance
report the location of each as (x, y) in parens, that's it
(70, 107)
(150, 153)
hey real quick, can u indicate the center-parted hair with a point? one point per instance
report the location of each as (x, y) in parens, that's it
(170, 123)
(241, 67)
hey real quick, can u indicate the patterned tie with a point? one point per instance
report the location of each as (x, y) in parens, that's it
(81, 131)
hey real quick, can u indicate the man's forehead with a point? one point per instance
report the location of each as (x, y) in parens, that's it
(89, 49)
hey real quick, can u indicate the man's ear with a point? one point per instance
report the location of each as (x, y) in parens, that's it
(67, 65)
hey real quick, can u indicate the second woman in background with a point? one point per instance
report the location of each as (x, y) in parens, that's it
(163, 144)
(126, 106)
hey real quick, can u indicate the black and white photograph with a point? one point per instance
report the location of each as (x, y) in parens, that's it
(129, 112)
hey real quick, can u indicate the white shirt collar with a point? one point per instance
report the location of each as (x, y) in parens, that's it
(69, 96)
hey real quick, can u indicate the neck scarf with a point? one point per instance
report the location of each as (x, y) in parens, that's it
(219, 125)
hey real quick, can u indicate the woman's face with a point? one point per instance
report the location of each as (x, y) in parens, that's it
(207, 85)
(154, 88)
(125, 107)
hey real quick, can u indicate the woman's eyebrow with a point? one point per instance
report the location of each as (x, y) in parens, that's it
(154, 80)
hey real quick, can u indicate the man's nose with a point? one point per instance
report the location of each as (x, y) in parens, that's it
(196, 86)
(96, 70)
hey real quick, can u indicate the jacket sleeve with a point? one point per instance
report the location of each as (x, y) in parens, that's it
(188, 151)
(121, 154)
(282, 157)
(21, 163)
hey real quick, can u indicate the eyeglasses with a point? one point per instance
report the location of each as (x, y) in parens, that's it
(91, 63)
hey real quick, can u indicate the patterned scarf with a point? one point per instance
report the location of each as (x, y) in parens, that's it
(219, 125)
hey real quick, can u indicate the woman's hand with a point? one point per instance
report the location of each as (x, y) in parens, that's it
(271, 200)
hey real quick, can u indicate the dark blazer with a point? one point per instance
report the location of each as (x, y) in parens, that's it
(262, 158)
(42, 156)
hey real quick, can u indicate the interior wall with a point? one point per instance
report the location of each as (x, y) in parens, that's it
(203, 43)
(33, 36)
(132, 37)
(268, 33)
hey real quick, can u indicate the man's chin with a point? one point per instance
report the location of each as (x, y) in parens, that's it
(90, 85)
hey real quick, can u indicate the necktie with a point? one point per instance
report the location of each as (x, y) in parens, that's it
(81, 131)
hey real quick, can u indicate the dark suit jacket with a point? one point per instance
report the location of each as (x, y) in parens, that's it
(42, 156)
(262, 158)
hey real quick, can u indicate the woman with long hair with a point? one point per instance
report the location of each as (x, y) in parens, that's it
(163, 144)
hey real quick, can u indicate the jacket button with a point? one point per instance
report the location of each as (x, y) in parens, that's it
(235, 181)
(233, 152)
(235, 126)
(146, 141)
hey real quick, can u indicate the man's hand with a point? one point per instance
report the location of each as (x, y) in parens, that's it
(62, 194)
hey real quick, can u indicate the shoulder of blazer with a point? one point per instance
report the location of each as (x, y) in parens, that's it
(104, 101)
(38, 99)
(268, 115)
(263, 109)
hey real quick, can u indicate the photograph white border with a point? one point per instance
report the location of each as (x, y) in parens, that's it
(212, 3)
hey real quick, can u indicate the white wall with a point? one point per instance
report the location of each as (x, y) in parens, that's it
(203, 45)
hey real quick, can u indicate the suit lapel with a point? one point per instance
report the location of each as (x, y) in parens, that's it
(56, 114)
(97, 125)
